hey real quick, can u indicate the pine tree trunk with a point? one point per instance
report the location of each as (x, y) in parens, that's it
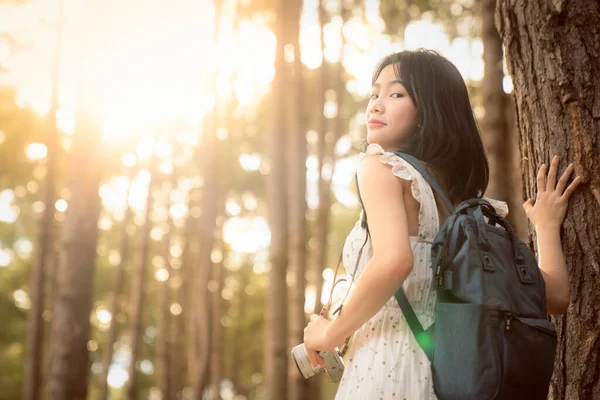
(238, 359)
(188, 289)
(207, 226)
(499, 137)
(552, 53)
(163, 343)
(297, 153)
(45, 248)
(216, 367)
(68, 375)
(114, 302)
(322, 224)
(178, 322)
(137, 290)
(276, 351)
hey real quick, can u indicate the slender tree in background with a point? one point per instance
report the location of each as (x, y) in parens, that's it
(238, 359)
(297, 153)
(137, 288)
(69, 367)
(498, 133)
(552, 52)
(45, 243)
(119, 281)
(216, 352)
(163, 343)
(207, 225)
(177, 334)
(322, 224)
(276, 351)
(187, 294)
(178, 292)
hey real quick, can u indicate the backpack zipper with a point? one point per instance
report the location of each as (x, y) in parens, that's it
(438, 274)
(507, 321)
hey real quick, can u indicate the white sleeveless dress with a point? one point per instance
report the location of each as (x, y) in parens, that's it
(384, 360)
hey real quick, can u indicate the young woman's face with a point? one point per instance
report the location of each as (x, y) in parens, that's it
(392, 117)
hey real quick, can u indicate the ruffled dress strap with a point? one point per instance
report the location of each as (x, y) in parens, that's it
(420, 189)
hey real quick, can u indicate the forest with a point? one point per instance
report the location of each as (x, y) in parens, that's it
(177, 179)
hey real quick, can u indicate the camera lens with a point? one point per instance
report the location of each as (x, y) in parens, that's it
(302, 361)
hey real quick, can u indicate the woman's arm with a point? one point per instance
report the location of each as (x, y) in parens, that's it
(552, 264)
(392, 259)
(547, 214)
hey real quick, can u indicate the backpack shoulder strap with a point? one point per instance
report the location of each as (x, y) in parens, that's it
(419, 166)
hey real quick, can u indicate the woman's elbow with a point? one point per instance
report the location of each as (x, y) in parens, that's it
(558, 305)
(399, 267)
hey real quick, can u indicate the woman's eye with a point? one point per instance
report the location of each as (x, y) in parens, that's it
(373, 96)
(397, 95)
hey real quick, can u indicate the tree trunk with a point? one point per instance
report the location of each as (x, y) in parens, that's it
(188, 289)
(216, 368)
(552, 53)
(207, 225)
(297, 153)
(276, 351)
(68, 375)
(178, 322)
(163, 343)
(206, 241)
(114, 302)
(45, 249)
(137, 290)
(499, 137)
(322, 225)
(238, 359)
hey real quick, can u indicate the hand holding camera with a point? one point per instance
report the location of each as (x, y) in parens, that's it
(314, 339)
(315, 354)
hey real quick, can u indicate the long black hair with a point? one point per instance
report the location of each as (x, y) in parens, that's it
(447, 139)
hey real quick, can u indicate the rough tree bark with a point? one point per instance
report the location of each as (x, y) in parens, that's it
(69, 364)
(297, 152)
(498, 133)
(114, 302)
(276, 351)
(553, 54)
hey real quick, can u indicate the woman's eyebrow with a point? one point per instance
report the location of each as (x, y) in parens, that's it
(390, 83)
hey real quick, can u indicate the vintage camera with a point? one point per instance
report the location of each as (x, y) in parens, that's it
(334, 365)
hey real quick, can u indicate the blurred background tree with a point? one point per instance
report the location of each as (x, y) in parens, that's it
(177, 182)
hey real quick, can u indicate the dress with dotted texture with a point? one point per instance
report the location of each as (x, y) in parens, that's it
(384, 360)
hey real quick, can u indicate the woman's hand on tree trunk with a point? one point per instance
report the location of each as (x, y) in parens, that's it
(549, 209)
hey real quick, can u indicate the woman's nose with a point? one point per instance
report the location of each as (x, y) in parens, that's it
(377, 106)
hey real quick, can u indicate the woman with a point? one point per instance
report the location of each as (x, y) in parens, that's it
(419, 104)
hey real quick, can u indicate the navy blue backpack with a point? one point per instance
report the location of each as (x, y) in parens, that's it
(491, 338)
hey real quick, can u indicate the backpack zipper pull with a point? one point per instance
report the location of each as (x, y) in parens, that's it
(507, 324)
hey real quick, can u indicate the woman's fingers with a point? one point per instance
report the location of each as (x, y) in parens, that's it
(571, 188)
(564, 178)
(551, 182)
(313, 357)
(541, 179)
(528, 205)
